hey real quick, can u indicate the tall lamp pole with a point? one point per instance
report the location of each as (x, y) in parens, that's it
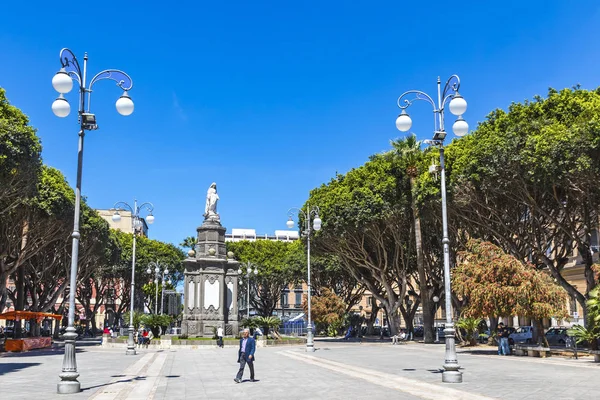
(63, 83)
(458, 106)
(247, 276)
(136, 225)
(310, 212)
(158, 277)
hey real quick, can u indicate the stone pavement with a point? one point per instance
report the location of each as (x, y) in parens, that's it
(337, 370)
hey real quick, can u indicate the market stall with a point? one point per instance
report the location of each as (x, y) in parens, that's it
(32, 342)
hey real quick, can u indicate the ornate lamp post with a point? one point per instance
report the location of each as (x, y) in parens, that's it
(247, 276)
(458, 106)
(310, 212)
(158, 277)
(63, 83)
(136, 224)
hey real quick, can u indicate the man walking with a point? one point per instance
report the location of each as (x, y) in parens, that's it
(220, 337)
(246, 355)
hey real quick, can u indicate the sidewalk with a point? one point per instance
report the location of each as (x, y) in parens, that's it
(335, 371)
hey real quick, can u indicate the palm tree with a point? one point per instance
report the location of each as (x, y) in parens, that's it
(471, 327)
(591, 333)
(409, 150)
(268, 323)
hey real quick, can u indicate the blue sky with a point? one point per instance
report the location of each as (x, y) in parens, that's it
(271, 99)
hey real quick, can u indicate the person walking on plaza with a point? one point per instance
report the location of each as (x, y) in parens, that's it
(220, 337)
(246, 355)
(502, 337)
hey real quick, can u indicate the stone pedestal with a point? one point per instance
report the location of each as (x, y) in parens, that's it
(210, 285)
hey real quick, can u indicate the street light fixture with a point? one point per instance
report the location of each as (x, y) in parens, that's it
(310, 212)
(247, 276)
(437, 332)
(159, 277)
(458, 106)
(137, 225)
(63, 83)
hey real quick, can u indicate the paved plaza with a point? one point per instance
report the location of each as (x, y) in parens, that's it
(337, 370)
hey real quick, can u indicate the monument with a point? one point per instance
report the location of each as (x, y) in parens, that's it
(210, 278)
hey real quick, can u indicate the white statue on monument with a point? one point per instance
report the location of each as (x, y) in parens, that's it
(210, 210)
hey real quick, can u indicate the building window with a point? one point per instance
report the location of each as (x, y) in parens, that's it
(284, 300)
(298, 298)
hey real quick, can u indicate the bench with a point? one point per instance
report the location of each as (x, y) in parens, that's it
(532, 351)
(596, 354)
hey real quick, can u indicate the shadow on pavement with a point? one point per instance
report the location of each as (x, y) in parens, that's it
(13, 367)
(38, 352)
(137, 378)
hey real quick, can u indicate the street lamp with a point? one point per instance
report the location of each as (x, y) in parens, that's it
(310, 212)
(137, 225)
(437, 332)
(158, 277)
(63, 84)
(458, 106)
(247, 276)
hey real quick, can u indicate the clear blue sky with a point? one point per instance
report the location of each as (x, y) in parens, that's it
(271, 99)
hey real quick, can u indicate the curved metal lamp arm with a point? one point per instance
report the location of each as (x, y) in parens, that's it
(123, 80)
(314, 211)
(418, 95)
(121, 205)
(450, 89)
(300, 211)
(71, 65)
(148, 206)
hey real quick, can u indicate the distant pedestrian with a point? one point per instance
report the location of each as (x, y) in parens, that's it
(246, 355)
(502, 336)
(220, 337)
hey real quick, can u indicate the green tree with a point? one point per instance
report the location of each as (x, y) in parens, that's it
(36, 245)
(279, 264)
(410, 158)
(590, 333)
(366, 225)
(526, 179)
(147, 250)
(20, 157)
(471, 327)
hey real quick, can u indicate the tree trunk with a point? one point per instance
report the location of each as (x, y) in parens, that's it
(493, 326)
(538, 333)
(428, 334)
(393, 322)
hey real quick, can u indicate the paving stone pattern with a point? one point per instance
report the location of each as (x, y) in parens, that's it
(337, 370)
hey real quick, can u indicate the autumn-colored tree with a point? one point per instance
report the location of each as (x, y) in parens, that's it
(327, 309)
(497, 284)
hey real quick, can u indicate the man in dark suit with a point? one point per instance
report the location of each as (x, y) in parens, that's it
(246, 355)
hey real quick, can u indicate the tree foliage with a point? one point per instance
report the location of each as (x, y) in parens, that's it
(526, 179)
(366, 226)
(326, 309)
(279, 264)
(498, 284)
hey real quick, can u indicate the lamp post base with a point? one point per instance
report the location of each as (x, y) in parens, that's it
(68, 377)
(130, 343)
(451, 373)
(310, 344)
(68, 387)
(452, 377)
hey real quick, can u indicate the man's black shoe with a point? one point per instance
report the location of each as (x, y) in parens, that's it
(253, 380)
(237, 380)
